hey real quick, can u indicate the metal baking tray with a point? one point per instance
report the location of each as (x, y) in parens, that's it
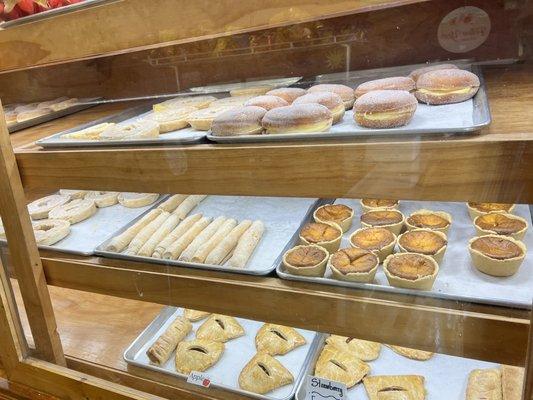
(225, 373)
(226, 87)
(283, 218)
(87, 103)
(457, 278)
(446, 377)
(460, 118)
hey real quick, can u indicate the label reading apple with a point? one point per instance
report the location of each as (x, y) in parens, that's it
(464, 29)
(199, 379)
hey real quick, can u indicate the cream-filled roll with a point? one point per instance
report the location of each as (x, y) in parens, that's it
(298, 118)
(446, 86)
(331, 100)
(239, 121)
(345, 92)
(385, 108)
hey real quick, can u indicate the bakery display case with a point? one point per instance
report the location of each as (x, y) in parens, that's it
(280, 201)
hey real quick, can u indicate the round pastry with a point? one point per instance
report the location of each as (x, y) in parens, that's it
(391, 220)
(377, 240)
(230, 101)
(73, 194)
(50, 231)
(477, 209)
(76, 211)
(202, 120)
(136, 200)
(330, 100)
(424, 241)
(385, 108)
(446, 86)
(266, 102)
(411, 270)
(239, 121)
(497, 255)
(345, 92)
(185, 101)
(414, 75)
(354, 264)
(103, 199)
(372, 204)
(40, 208)
(393, 83)
(307, 260)
(140, 129)
(301, 118)
(434, 220)
(287, 94)
(324, 234)
(498, 223)
(338, 213)
(250, 91)
(171, 119)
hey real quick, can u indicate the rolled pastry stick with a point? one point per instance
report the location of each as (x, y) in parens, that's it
(145, 233)
(40, 208)
(103, 199)
(74, 194)
(76, 211)
(203, 237)
(188, 205)
(172, 202)
(50, 231)
(160, 351)
(247, 244)
(224, 248)
(119, 243)
(178, 232)
(176, 248)
(206, 248)
(136, 200)
(148, 248)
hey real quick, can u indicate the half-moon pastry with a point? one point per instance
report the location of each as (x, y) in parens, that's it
(325, 234)
(391, 220)
(306, 260)
(103, 199)
(74, 211)
(277, 339)
(136, 200)
(354, 264)
(365, 350)
(498, 223)
(50, 231)
(372, 204)
(264, 373)
(484, 384)
(338, 213)
(512, 382)
(160, 351)
(413, 354)
(220, 328)
(411, 270)
(477, 209)
(195, 315)
(497, 255)
(424, 241)
(395, 387)
(434, 220)
(345, 92)
(197, 355)
(340, 366)
(40, 208)
(380, 241)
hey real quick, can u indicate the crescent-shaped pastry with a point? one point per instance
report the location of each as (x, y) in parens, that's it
(175, 249)
(484, 384)
(76, 211)
(413, 354)
(246, 245)
(119, 243)
(197, 355)
(206, 248)
(277, 339)
(40, 208)
(203, 237)
(172, 202)
(103, 199)
(340, 366)
(187, 205)
(226, 246)
(148, 248)
(220, 328)
(178, 232)
(145, 233)
(363, 349)
(136, 200)
(50, 231)
(512, 382)
(195, 315)
(395, 387)
(74, 194)
(264, 373)
(160, 351)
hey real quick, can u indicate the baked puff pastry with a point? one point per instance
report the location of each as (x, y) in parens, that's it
(160, 351)
(277, 339)
(340, 366)
(220, 328)
(195, 315)
(395, 387)
(413, 354)
(197, 355)
(264, 373)
(363, 349)
(484, 384)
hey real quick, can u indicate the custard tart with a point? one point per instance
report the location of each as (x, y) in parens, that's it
(498, 223)
(306, 260)
(477, 209)
(372, 204)
(497, 255)
(324, 234)
(338, 213)
(411, 270)
(391, 220)
(354, 264)
(424, 241)
(380, 241)
(434, 220)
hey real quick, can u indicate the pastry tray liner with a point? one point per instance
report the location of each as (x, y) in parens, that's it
(225, 373)
(445, 376)
(282, 216)
(457, 279)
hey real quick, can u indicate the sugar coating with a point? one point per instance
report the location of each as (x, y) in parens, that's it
(267, 102)
(384, 100)
(328, 99)
(392, 83)
(419, 71)
(344, 91)
(287, 94)
(295, 115)
(447, 78)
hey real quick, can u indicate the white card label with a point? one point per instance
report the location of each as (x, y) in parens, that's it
(199, 378)
(321, 389)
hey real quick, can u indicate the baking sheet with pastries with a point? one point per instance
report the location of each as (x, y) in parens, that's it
(457, 277)
(237, 353)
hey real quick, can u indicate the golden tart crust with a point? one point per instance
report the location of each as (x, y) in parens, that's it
(372, 204)
(497, 255)
(477, 209)
(354, 264)
(391, 220)
(325, 234)
(380, 241)
(306, 260)
(427, 219)
(498, 223)
(339, 213)
(424, 241)
(411, 270)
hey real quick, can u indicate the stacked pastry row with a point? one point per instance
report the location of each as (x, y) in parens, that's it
(169, 232)
(503, 383)
(263, 372)
(19, 112)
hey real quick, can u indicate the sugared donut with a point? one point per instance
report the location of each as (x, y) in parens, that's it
(331, 100)
(414, 75)
(267, 102)
(392, 83)
(239, 121)
(344, 91)
(384, 108)
(446, 86)
(287, 94)
(298, 118)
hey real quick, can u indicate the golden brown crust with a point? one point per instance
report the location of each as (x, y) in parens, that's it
(484, 384)
(430, 221)
(287, 94)
(395, 387)
(334, 212)
(392, 83)
(498, 248)
(422, 241)
(381, 217)
(379, 203)
(293, 118)
(501, 266)
(500, 223)
(267, 102)
(305, 256)
(238, 121)
(490, 207)
(410, 266)
(353, 260)
(372, 238)
(317, 232)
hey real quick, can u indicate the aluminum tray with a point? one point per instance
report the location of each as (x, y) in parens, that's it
(283, 218)
(237, 353)
(457, 278)
(226, 87)
(446, 376)
(459, 118)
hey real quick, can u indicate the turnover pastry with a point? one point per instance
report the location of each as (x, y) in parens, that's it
(171, 119)
(391, 220)
(277, 339)
(338, 213)
(40, 208)
(195, 315)
(120, 242)
(395, 387)
(75, 211)
(103, 199)
(50, 231)
(484, 384)
(411, 270)
(324, 234)
(497, 255)
(338, 365)
(160, 351)
(354, 264)
(136, 200)
(365, 350)
(246, 245)
(428, 219)
(413, 354)
(140, 129)
(500, 223)
(197, 355)
(90, 133)
(306, 260)
(264, 373)
(512, 382)
(220, 328)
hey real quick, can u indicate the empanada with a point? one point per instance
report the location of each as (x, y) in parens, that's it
(160, 351)
(197, 355)
(195, 315)
(413, 354)
(395, 387)
(340, 366)
(264, 373)
(363, 349)
(220, 328)
(484, 384)
(277, 339)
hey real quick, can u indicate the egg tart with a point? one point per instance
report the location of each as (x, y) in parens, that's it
(379, 241)
(324, 234)
(427, 219)
(477, 209)
(497, 223)
(497, 255)
(424, 241)
(307, 260)
(411, 270)
(338, 213)
(354, 264)
(372, 204)
(391, 220)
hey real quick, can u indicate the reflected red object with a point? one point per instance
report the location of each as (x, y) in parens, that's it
(24, 8)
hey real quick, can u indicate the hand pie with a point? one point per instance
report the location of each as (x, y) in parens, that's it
(220, 328)
(264, 373)
(484, 384)
(413, 354)
(340, 366)
(197, 355)
(395, 387)
(512, 382)
(195, 315)
(363, 349)
(160, 351)
(277, 339)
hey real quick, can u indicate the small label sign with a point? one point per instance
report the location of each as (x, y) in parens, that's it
(199, 379)
(320, 389)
